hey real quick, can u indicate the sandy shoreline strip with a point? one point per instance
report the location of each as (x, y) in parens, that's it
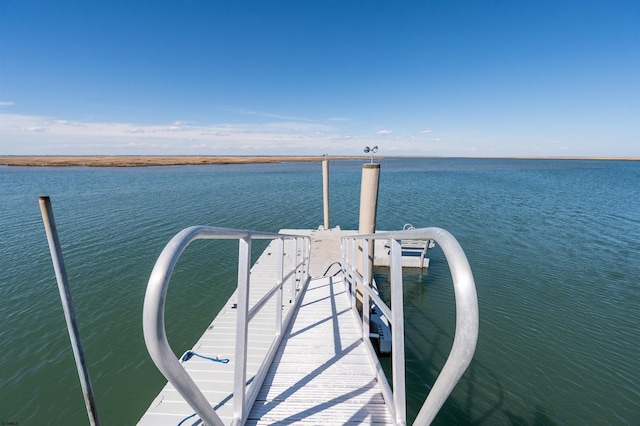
(149, 160)
(186, 160)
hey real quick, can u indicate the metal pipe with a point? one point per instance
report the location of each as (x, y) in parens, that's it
(397, 337)
(294, 278)
(366, 286)
(279, 276)
(67, 307)
(242, 329)
(325, 190)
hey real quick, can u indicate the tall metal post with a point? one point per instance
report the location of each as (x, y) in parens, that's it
(67, 307)
(325, 190)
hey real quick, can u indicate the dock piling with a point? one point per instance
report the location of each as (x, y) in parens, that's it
(325, 190)
(368, 212)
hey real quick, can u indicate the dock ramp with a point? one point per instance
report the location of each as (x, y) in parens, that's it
(297, 346)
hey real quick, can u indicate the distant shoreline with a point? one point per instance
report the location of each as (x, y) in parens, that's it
(192, 160)
(149, 160)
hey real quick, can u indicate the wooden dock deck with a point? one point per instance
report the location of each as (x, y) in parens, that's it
(321, 373)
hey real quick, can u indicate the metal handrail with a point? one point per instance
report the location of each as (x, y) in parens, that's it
(154, 303)
(467, 316)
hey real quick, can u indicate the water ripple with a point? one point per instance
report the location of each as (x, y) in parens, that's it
(555, 255)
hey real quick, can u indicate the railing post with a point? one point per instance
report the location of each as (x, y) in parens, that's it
(242, 327)
(308, 244)
(343, 260)
(353, 270)
(347, 266)
(366, 284)
(303, 248)
(279, 276)
(294, 277)
(397, 344)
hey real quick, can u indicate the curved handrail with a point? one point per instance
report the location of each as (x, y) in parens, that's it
(467, 314)
(153, 312)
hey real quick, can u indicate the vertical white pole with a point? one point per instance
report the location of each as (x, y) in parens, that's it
(325, 190)
(67, 307)
(308, 257)
(279, 276)
(366, 283)
(242, 329)
(397, 338)
(294, 277)
(354, 280)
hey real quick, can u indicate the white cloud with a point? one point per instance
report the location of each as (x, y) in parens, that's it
(268, 115)
(57, 136)
(40, 135)
(6, 103)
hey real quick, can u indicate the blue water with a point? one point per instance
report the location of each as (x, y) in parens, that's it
(554, 246)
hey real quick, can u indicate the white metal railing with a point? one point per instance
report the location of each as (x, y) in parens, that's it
(154, 302)
(354, 250)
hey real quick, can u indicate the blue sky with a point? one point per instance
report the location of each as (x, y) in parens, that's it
(441, 78)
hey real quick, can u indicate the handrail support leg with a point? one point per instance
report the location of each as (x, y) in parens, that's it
(242, 328)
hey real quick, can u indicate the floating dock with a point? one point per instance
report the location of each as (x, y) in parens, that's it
(414, 253)
(295, 346)
(321, 373)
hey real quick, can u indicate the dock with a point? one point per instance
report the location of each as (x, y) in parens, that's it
(321, 373)
(291, 345)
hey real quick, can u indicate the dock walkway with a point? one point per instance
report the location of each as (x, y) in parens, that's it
(321, 373)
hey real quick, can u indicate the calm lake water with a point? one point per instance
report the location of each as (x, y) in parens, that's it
(554, 246)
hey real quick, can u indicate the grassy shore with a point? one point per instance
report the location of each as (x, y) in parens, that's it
(182, 160)
(149, 160)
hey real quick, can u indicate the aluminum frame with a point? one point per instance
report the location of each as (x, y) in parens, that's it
(467, 316)
(153, 315)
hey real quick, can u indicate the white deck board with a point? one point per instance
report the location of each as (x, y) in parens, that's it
(321, 373)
